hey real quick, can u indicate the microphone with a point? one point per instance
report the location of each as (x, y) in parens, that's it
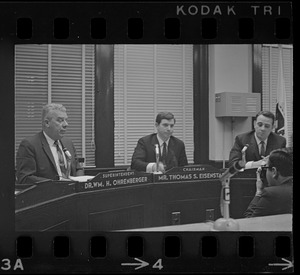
(236, 166)
(244, 153)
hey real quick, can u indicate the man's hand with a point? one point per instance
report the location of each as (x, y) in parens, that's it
(259, 183)
(261, 162)
(161, 168)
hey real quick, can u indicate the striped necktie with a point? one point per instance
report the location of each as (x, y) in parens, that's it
(262, 148)
(61, 160)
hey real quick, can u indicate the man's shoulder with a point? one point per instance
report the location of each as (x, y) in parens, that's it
(151, 137)
(33, 138)
(148, 137)
(279, 189)
(66, 139)
(34, 141)
(277, 137)
(176, 140)
(248, 134)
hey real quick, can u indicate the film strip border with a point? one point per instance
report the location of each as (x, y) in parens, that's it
(148, 252)
(156, 22)
(149, 22)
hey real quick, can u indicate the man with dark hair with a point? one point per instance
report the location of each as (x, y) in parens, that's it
(48, 155)
(276, 198)
(171, 149)
(262, 140)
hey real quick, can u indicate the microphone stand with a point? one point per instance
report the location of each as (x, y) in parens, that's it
(226, 223)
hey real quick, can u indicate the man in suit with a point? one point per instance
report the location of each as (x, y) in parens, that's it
(48, 155)
(276, 198)
(261, 142)
(171, 149)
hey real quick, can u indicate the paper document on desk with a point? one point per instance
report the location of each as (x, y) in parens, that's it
(81, 178)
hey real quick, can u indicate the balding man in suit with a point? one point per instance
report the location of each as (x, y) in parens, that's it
(48, 155)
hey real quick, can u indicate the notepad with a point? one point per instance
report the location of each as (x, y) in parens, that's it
(81, 178)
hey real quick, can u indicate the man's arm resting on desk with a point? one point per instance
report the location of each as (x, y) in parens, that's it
(139, 156)
(256, 164)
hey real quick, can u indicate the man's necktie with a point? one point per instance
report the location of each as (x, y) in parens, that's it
(61, 160)
(164, 153)
(262, 148)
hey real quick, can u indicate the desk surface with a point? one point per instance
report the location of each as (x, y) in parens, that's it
(110, 204)
(266, 223)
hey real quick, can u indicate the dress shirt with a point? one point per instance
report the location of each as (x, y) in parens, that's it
(161, 144)
(149, 168)
(54, 152)
(249, 164)
(258, 141)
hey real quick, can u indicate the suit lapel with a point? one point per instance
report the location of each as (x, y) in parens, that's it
(270, 144)
(254, 145)
(47, 149)
(170, 146)
(154, 141)
(172, 160)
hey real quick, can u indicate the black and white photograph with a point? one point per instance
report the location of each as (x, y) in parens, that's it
(153, 137)
(147, 136)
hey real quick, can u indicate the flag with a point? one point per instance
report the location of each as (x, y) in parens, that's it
(281, 117)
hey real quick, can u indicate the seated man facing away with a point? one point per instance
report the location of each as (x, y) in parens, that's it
(261, 141)
(171, 149)
(276, 198)
(48, 155)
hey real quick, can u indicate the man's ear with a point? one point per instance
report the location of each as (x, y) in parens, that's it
(156, 124)
(46, 121)
(275, 172)
(273, 126)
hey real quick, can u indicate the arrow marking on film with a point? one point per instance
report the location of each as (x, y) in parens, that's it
(287, 264)
(139, 265)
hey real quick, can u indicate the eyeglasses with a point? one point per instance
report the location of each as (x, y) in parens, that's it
(264, 171)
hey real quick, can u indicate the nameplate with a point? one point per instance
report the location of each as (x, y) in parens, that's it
(109, 180)
(189, 173)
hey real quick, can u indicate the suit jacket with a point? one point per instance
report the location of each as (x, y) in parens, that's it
(145, 153)
(252, 154)
(35, 161)
(273, 201)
